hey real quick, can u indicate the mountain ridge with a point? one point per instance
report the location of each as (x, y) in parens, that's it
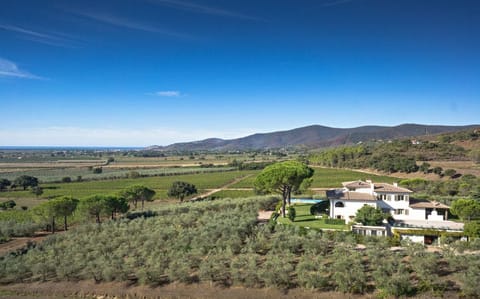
(312, 136)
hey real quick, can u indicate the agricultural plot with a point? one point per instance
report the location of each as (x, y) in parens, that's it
(328, 178)
(160, 184)
(57, 174)
(229, 193)
(220, 243)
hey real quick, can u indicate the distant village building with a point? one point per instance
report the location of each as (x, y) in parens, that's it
(415, 142)
(419, 220)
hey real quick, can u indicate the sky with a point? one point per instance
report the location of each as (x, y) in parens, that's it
(145, 72)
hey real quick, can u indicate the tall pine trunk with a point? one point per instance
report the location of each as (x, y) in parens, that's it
(289, 196)
(53, 225)
(65, 222)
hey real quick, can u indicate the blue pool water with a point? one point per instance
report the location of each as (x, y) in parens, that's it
(306, 200)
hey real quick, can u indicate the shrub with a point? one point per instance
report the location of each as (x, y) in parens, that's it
(292, 213)
(276, 269)
(9, 204)
(349, 273)
(319, 208)
(244, 270)
(335, 221)
(312, 273)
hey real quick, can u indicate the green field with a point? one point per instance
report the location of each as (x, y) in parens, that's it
(50, 175)
(159, 184)
(305, 219)
(24, 202)
(233, 193)
(329, 178)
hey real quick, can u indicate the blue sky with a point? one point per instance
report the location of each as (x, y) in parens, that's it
(143, 72)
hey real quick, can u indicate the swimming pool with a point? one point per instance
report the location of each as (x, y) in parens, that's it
(306, 200)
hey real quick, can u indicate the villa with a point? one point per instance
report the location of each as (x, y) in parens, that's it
(419, 220)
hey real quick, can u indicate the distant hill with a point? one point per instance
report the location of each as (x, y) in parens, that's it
(314, 136)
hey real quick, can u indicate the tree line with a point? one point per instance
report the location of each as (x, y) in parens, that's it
(395, 156)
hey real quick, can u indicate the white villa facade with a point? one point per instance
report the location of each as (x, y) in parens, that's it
(410, 216)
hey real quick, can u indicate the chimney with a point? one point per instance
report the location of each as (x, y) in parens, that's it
(395, 184)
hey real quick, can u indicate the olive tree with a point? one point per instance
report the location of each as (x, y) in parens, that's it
(284, 178)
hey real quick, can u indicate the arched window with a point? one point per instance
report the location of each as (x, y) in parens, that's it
(339, 204)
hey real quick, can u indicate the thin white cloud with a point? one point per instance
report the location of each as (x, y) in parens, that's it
(125, 23)
(10, 69)
(58, 40)
(167, 93)
(77, 136)
(197, 8)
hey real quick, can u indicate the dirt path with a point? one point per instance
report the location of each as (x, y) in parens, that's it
(90, 289)
(224, 187)
(19, 243)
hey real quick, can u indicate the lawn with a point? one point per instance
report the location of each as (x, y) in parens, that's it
(305, 219)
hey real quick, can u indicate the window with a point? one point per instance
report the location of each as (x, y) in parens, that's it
(406, 212)
(399, 197)
(382, 197)
(339, 204)
(399, 212)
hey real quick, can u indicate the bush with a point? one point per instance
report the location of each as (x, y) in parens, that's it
(320, 208)
(133, 174)
(349, 275)
(9, 204)
(12, 228)
(312, 273)
(335, 221)
(292, 213)
(97, 170)
(276, 270)
(66, 179)
(244, 270)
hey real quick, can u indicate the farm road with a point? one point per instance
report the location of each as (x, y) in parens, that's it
(224, 187)
(19, 243)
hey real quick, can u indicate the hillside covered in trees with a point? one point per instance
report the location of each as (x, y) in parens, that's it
(401, 155)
